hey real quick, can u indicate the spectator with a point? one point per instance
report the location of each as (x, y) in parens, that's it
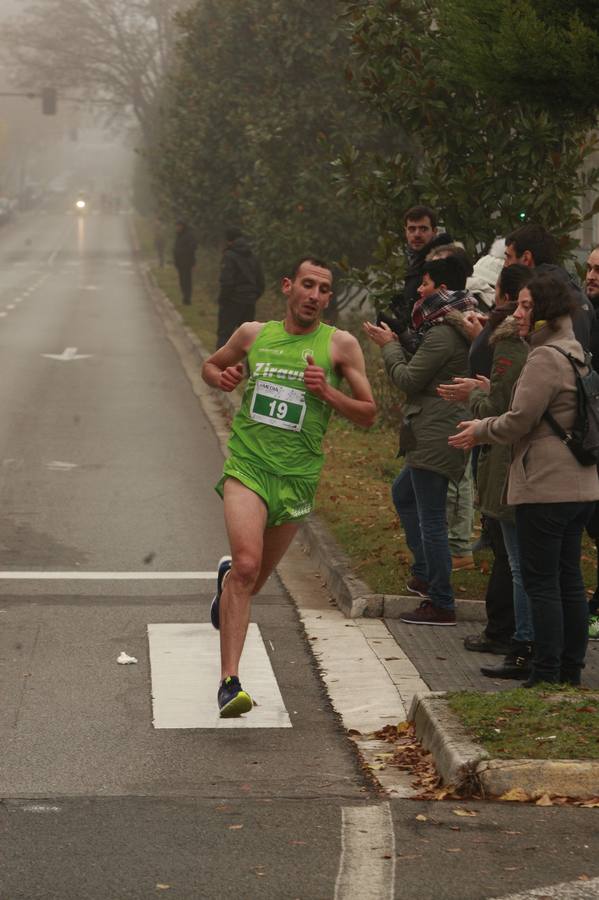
(487, 398)
(421, 233)
(592, 292)
(184, 257)
(460, 497)
(420, 490)
(484, 276)
(241, 285)
(552, 492)
(531, 245)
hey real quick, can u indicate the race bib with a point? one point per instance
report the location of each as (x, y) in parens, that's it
(277, 405)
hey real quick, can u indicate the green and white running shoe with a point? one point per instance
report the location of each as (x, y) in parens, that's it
(593, 628)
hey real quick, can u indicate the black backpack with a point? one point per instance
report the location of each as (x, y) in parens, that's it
(583, 438)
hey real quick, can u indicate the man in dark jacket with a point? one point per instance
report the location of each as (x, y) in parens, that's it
(533, 246)
(421, 233)
(241, 285)
(184, 258)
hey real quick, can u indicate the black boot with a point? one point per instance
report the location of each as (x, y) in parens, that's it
(517, 663)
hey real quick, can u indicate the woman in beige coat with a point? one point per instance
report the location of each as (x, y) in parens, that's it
(552, 492)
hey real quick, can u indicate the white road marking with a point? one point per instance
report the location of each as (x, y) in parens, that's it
(58, 466)
(67, 355)
(573, 890)
(19, 299)
(107, 576)
(10, 306)
(40, 808)
(3, 315)
(367, 862)
(185, 666)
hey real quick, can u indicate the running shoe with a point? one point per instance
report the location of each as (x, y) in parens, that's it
(224, 565)
(232, 699)
(594, 628)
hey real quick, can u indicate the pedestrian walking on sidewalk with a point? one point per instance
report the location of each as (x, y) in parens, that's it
(184, 258)
(294, 368)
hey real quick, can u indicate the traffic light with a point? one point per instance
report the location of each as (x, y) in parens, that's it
(49, 101)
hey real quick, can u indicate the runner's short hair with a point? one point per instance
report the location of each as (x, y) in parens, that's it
(415, 213)
(314, 260)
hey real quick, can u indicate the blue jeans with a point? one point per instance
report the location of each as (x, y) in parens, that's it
(420, 498)
(522, 612)
(550, 536)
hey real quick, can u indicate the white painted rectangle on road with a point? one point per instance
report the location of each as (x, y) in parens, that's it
(185, 668)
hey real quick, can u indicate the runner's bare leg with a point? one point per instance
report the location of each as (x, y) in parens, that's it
(255, 550)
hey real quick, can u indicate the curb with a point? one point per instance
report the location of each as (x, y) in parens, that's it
(469, 768)
(354, 598)
(440, 731)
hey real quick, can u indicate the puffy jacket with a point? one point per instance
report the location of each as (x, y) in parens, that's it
(442, 355)
(543, 469)
(509, 356)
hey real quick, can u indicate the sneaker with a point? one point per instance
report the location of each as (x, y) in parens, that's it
(232, 699)
(480, 643)
(224, 566)
(427, 614)
(462, 562)
(418, 586)
(593, 628)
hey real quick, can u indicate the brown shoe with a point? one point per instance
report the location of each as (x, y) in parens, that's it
(427, 614)
(462, 562)
(418, 586)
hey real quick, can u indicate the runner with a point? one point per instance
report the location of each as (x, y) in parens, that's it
(270, 478)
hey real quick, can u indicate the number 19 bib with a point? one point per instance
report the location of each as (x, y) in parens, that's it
(277, 405)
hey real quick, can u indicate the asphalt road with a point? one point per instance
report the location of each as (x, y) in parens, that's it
(107, 465)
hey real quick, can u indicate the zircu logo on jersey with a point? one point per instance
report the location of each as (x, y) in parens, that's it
(267, 370)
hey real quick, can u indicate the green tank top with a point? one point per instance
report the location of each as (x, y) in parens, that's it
(281, 425)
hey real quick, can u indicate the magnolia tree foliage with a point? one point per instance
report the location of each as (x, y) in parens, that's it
(483, 160)
(253, 115)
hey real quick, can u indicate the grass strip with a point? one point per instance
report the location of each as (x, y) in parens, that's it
(546, 722)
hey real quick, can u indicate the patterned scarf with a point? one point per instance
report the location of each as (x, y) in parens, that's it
(432, 310)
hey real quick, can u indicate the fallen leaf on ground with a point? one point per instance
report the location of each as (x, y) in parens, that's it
(545, 800)
(235, 827)
(464, 812)
(516, 795)
(421, 818)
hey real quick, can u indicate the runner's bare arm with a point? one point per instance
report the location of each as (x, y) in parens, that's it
(347, 356)
(224, 369)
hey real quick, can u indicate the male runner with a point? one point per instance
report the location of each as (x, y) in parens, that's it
(271, 476)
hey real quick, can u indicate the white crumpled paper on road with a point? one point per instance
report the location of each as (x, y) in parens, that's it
(126, 660)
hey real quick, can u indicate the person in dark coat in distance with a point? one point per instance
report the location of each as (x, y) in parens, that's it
(184, 258)
(241, 285)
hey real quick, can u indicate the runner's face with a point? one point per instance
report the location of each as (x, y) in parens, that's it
(308, 294)
(427, 287)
